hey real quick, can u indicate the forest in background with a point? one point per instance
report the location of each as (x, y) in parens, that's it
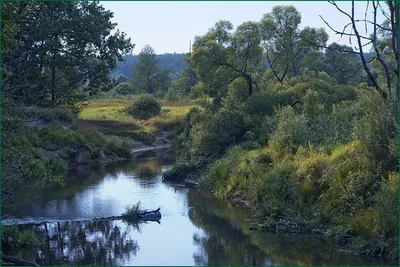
(173, 62)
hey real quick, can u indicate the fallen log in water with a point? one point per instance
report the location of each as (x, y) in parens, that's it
(153, 215)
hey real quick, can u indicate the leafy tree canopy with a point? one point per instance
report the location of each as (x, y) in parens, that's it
(285, 45)
(54, 51)
(221, 55)
(148, 76)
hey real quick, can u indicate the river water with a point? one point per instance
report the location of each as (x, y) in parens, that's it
(195, 229)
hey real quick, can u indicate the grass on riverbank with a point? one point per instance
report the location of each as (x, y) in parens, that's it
(109, 117)
(329, 191)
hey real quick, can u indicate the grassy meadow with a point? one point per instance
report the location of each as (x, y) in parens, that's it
(109, 116)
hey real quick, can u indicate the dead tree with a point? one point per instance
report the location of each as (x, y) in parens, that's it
(362, 41)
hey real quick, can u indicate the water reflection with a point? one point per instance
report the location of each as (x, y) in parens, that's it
(84, 243)
(196, 228)
(229, 242)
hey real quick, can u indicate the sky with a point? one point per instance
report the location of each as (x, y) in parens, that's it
(169, 27)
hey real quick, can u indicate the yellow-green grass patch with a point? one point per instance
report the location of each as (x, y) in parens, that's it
(172, 114)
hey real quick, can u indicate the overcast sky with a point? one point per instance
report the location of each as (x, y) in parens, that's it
(169, 26)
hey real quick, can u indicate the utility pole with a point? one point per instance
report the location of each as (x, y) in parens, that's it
(190, 73)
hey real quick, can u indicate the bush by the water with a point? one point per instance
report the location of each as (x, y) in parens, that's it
(178, 171)
(83, 147)
(144, 107)
(326, 162)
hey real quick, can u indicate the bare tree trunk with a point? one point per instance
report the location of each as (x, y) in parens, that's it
(394, 21)
(360, 46)
(53, 74)
(53, 84)
(249, 82)
(280, 79)
(378, 55)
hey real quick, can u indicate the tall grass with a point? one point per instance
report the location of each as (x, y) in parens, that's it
(172, 114)
(132, 212)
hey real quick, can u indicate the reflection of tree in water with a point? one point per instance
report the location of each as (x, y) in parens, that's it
(79, 179)
(163, 156)
(224, 242)
(147, 169)
(227, 240)
(86, 243)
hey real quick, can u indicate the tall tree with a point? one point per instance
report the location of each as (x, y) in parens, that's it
(181, 86)
(222, 56)
(148, 76)
(284, 43)
(61, 48)
(343, 66)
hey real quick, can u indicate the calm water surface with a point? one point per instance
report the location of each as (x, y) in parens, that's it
(195, 229)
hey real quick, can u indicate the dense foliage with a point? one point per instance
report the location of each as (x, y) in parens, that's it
(54, 54)
(144, 107)
(305, 137)
(148, 76)
(57, 64)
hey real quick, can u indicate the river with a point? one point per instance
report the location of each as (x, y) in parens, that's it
(196, 228)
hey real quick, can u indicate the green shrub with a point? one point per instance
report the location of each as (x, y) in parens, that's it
(291, 132)
(212, 135)
(191, 118)
(56, 165)
(125, 88)
(261, 104)
(144, 107)
(178, 171)
(216, 179)
(318, 96)
(377, 129)
(178, 89)
(342, 120)
(311, 167)
(197, 91)
(238, 92)
(88, 147)
(12, 238)
(278, 190)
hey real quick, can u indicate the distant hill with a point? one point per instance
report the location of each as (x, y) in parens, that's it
(174, 62)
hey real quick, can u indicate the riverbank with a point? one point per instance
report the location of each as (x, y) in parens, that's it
(328, 162)
(102, 132)
(47, 142)
(206, 230)
(301, 194)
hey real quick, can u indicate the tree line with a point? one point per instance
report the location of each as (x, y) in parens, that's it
(172, 61)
